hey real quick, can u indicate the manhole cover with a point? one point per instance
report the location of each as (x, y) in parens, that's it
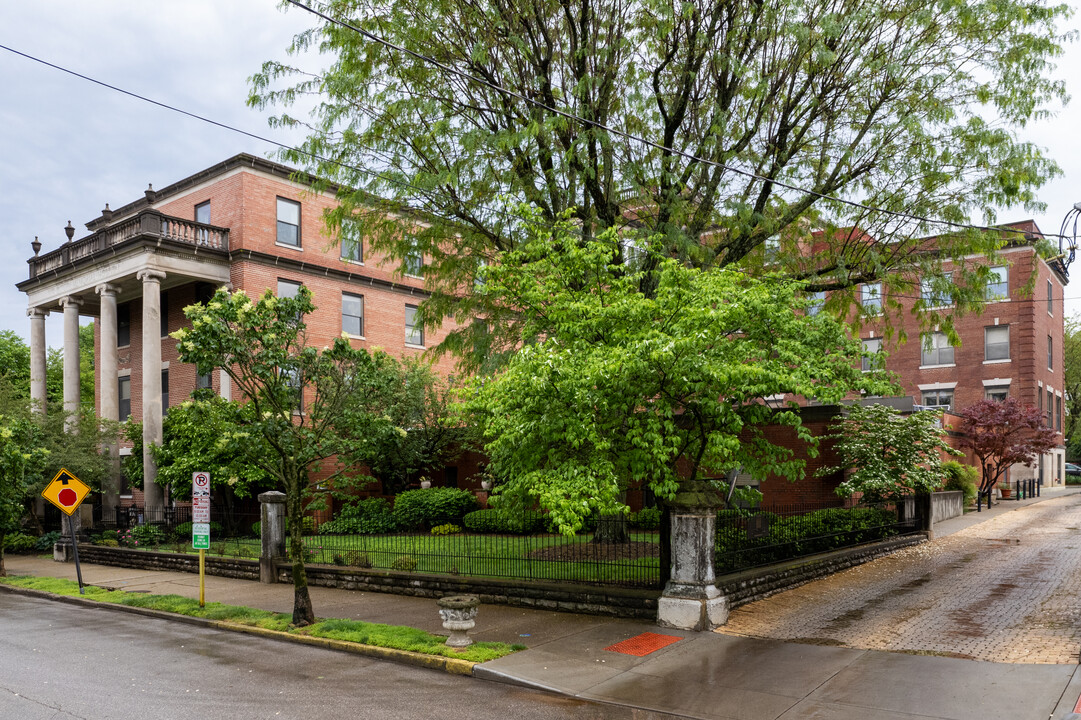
(644, 644)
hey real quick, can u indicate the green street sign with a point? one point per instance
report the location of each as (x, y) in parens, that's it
(200, 536)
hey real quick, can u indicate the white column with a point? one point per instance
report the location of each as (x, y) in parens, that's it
(37, 358)
(108, 392)
(151, 395)
(71, 359)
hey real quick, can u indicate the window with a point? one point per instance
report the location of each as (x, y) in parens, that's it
(871, 297)
(998, 285)
(123, 391)
(352, 249)
(414, 333)
(1050, 298)
(204, 381)
(1058, 413)
(413, 263)
(933, 293)
(1050, 352)
(164, 391)
(936, 350)
(1050, 409)
(288, 222)
(123, 325)
(202, 213)
(163, 315)
(353, 314)
(872, 345)
(938, 398)
(996, 343)
(1039, 399)
(818, 300)
(996, 392)
(288, 288)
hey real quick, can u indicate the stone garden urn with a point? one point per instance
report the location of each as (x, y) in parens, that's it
(459, 613)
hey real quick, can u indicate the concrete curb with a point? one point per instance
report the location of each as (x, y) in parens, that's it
(453, 666)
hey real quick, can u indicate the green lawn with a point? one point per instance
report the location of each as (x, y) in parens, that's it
(466, 554)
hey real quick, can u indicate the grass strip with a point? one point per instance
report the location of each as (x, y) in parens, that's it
(395, 637)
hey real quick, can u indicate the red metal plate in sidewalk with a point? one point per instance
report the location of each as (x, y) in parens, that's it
(644, 644)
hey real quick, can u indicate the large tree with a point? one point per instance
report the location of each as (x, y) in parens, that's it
(1001, 433)
(612, 387)
(758, 121)
(293, 396)
(22, 458)
(1071, 392)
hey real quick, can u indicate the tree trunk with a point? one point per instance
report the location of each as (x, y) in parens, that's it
(3, 570)
(612, 529)
(303, 613)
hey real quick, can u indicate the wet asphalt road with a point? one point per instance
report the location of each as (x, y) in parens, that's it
(60, 661)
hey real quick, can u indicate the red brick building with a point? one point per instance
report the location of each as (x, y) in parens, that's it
(242, 223)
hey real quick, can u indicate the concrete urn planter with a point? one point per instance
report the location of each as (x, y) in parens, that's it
(459, 614)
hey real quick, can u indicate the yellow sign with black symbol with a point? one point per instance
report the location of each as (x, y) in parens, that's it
(66, 491)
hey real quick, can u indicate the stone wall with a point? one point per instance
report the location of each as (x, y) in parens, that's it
(750, 585)
(176, 562)
(946, 505)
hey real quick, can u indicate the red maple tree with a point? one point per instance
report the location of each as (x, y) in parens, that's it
(1003, 432)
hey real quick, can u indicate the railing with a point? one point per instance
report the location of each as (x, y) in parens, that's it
(753, 538)
(148, 224)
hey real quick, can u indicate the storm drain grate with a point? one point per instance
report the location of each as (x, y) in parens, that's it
(644, 644)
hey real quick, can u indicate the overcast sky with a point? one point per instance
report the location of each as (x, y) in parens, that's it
(67, 146)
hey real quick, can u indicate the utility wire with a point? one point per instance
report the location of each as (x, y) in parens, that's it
(635, 138)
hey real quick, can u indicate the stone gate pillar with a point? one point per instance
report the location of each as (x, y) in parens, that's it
(271, 534)
(691, 600)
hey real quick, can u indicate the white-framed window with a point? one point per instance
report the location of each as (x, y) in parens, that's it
(872, 346)
(996, 392)
(353, 314)
(1050, 353)
(932, 293)
(1058, 413)
(998, 285)
(1050, 408)
(996, 343)
(123, 387)
(204, 381)
(937, 398)
(164, 391)
(871, 297)
(123, 325)
(288, 288)
(414, 333)
(1050, 298)
(352, 248)
(818, 301)
(413, 264)
(936, 350)
(202, 213)
(288, 222)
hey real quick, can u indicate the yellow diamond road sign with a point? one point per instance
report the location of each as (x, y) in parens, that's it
(66, 491)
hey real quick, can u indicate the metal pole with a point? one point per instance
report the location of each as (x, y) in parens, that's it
(75, 550)
(202, 578)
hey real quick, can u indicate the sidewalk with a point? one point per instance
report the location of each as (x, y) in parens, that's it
(701, 675)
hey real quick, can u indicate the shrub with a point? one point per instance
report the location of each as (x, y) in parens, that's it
(257, 528)
(645, 519)
(961, 477)
(45, 542)
(107, 542)
(404, 562)
(372, 516)
(416, 509)
(447, 529)
(108, 535)
(352, 558)
(504, 522)
(20, 543)
(183, 530)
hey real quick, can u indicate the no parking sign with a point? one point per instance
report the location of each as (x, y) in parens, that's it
(200, 510)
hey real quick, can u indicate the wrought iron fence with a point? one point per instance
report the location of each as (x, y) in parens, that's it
(517, 557)
(757, 537)
(168, 529)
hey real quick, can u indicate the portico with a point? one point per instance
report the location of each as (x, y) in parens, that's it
(133, 258)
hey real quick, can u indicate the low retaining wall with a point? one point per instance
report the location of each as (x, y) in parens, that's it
(946, 505)
(750, 585)
(176, 562)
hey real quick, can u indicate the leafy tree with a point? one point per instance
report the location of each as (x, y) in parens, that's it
(1071, 350)
(613, 387)
(22, 458)
(751, 112)
(1002, 433)
(419, 438)
(889, 455)
(15, 362)
(293, 395)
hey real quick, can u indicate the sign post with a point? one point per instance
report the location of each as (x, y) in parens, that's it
(67, 492)
(200, 525)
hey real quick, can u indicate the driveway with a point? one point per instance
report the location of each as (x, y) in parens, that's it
(1004, 590)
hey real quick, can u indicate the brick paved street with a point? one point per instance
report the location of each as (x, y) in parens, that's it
(1005, 590)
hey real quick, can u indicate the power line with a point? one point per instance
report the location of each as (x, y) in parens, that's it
(635, 138)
